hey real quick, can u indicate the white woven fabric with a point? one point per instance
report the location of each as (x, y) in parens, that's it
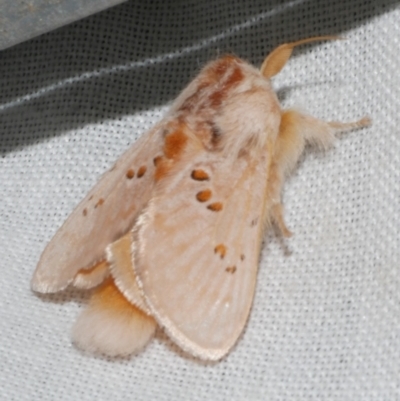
(326, 319)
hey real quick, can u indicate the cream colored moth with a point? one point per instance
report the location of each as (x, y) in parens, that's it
(171, 235)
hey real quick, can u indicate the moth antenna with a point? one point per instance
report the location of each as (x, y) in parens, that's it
(277, 59)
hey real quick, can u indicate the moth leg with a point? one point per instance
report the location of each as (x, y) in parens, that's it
(277, 216)
(274, 205)
(111, 325)
(295, 131)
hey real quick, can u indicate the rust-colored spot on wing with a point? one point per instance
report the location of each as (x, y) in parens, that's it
(215, 207)
(174, 144)
(157, 160)
(231, 269)
(199, 175)
(204, 196)
(221, 249)
(130, 174)
(99, 202)
(84, 212)
(141, 172)
(242, 257)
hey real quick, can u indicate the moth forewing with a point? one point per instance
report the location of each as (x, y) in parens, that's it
(199, 279)
(107, 212)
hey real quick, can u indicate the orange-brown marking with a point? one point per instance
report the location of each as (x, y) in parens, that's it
(210, 76)
(157, 160)
(162, 168)
(218, 96)
(130, 174)
(84, 212)
(141, 171)
(215, 207)
(242, 257)
(99, 202)
(174, 144)
(221, 249)
(234, 78)
(199, 175)
(222, 65)
(231, 269)
(204, 196)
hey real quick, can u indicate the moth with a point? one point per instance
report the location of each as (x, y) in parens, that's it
(171, 234)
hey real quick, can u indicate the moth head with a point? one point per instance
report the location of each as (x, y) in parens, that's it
(277, 59)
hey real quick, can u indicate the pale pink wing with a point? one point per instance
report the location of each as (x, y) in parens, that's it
(105, 214)
(196, 249)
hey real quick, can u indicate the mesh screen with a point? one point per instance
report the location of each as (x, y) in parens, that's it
(325, 324)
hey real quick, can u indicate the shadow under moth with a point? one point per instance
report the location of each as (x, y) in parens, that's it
(171, 234)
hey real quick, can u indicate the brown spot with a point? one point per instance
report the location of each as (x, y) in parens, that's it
(254, 222)
(199, 175)
(215, 207)
(91, 197)
(204, 196)
(174, 144)
(231, 269)
(84, 212)
(216, 97)
(130, 174)
(221, 249)
(157, 160)
(204, 133)
(99, 202)
(234, 78)
(242, 257)
(141, 172)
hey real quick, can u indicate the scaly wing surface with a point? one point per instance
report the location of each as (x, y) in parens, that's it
(196, 249)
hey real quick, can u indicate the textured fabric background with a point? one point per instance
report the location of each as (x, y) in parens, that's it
(326, 318)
